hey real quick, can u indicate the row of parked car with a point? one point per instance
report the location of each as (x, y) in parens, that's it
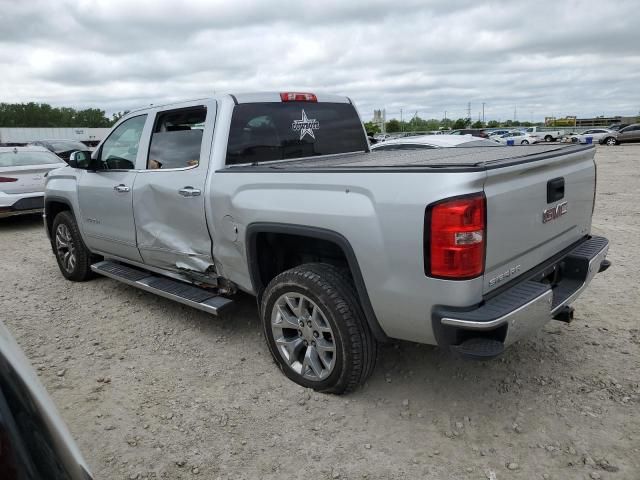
(613, 135)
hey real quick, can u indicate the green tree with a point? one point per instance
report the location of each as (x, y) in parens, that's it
(117, 116)
(446, 123)
(43, 115)
(370, 127)
(393, 125)
(460, 123)
(477, 124)
(432, 124)
(493, 124)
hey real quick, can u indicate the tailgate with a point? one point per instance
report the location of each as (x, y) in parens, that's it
(523, 228)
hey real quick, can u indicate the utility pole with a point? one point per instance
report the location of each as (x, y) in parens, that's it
(401, 122)
(515, 113)
(483, 113)
(469, 111)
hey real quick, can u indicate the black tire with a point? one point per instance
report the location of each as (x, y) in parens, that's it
(548, 138)
(610, 141)
(524, 142)
(80, 271)
(332, 290)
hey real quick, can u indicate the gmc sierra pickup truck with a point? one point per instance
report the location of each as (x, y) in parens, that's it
(279, 196)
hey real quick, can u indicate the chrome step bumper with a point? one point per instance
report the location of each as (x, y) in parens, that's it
(185, 293)
(528, 305)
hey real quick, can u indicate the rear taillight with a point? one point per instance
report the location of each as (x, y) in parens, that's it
(298, 97)
(7, 179)
(455, 234)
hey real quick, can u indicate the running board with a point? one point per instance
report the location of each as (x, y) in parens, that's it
(184, 293)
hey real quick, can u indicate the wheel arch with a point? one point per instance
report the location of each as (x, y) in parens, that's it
(329, 238)
(52, 207)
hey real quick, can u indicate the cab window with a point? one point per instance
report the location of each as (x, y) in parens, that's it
(120, 150)
(177, 139)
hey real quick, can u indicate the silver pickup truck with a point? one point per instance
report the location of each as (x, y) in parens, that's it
(278, 195)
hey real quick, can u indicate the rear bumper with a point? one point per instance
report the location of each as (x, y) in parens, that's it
(526, 306)
(11, 205)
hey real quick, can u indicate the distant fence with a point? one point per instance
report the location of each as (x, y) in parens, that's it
(91, 136)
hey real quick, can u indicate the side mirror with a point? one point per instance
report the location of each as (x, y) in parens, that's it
(80, 159)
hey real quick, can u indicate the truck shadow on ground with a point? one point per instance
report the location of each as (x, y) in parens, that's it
(21, 222)
(402, 367)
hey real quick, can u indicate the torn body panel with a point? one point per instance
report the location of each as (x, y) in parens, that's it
(172, 229)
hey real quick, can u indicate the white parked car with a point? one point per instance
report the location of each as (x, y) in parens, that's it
(497, 133)
(518, 137)
(596, 133)
(433, 141)
(22, 172)
(546, 135)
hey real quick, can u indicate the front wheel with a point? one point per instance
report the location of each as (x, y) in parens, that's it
(524, 142)
(316, 330)
(74, 259)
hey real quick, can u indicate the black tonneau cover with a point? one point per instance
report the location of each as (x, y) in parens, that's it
(458, 158)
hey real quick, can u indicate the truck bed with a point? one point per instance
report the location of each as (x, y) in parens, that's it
(456, 158)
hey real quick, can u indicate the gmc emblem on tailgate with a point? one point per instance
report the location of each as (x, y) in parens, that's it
(554, 212)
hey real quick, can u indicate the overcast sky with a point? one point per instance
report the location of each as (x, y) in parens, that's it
(545, 57)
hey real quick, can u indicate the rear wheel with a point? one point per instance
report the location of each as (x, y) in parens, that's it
(548, 138)
(316, 330)
(610, 141)
(74, 259)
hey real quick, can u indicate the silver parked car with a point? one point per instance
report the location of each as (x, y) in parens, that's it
(596, 134)
(433, 141)
(22, 172)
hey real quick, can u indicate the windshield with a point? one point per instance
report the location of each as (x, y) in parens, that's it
(262, 132)
(24, 159)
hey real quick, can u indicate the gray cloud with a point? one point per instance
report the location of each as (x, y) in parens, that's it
(545, 57)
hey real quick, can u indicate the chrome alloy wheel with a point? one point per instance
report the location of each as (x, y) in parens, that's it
(65, 249)
(303, 336)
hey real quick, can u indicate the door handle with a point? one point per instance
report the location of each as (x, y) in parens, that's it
(121, 188)
(189, 192)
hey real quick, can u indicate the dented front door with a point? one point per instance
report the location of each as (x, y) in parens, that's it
(169, 196)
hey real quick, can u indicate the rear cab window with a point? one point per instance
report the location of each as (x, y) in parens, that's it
(262, 132)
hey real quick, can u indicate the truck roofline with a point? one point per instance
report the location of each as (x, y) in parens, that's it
(245, 97)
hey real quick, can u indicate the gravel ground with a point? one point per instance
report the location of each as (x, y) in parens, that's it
(152, 389)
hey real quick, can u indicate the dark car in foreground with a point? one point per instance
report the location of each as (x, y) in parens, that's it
(62, 148)
(34, 442)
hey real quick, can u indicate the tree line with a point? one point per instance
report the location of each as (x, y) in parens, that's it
(417, 124)
(44, 115)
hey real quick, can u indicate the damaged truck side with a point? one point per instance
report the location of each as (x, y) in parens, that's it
(278, 195)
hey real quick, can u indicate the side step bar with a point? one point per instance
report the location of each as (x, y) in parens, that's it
(185, 293)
